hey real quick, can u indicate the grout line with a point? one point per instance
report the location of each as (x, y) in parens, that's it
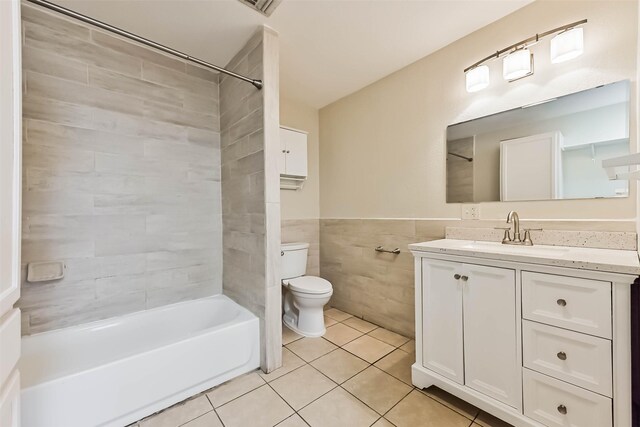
(237, 397)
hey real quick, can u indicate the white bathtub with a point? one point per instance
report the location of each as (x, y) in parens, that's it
(116, 371)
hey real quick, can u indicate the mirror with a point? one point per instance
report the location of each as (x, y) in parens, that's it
(544, 151)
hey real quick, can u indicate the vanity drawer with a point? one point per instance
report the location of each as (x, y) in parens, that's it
(582, 305)
(577, 358)
(555, 403)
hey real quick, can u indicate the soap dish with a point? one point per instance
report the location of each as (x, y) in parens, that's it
(45, 271)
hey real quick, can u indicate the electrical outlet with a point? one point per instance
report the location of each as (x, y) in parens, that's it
(470, 211)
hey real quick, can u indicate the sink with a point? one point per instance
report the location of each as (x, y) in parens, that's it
(495, 247)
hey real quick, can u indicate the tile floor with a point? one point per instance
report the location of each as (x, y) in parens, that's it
(356, 375)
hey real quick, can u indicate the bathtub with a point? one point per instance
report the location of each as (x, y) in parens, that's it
(116, 371)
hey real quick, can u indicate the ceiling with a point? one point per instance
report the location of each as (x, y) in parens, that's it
(328, 48)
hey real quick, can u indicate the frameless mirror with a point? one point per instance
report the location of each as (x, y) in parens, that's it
(544, 151)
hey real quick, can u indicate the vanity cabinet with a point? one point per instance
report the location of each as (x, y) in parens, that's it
(469, 311)
(532, 343)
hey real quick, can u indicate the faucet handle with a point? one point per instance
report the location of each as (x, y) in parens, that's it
(507, 234)
(527, 236)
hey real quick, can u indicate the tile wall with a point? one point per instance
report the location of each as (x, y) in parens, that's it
(121, 177)
(250, 189)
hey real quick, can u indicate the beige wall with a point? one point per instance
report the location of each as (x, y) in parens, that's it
(382, 152)
(121, 175)
(305, 203)
(384, 146)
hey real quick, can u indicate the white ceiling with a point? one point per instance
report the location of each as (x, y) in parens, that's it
(328, 48)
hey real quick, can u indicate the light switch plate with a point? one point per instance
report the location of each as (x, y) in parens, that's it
(470, 211)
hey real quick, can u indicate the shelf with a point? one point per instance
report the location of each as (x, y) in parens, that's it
(594, 144)
(291, 182)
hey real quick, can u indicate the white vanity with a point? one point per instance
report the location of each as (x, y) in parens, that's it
(537, 336)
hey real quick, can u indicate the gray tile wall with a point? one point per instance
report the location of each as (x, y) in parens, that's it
(250, 189)
(121, 174)
(380, 287)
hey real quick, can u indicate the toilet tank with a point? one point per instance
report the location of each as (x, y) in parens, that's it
(294, 259)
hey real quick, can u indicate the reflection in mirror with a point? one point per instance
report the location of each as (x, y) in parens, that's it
(544, 151)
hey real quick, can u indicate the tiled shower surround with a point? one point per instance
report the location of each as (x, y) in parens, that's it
(121, 175)
(250, 189)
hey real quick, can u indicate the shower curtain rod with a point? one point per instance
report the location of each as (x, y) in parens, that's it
(51, 6)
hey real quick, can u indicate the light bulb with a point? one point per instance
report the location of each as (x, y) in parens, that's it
(517, 64)
(567, 45)
(477, 78)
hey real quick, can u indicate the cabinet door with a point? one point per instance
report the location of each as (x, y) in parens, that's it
(296, 152)
(442, 318)
(490, 346)
(282, 158)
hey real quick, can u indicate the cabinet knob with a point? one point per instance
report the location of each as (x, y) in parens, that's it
(562, 302)
(562, 409)
(465, 278)
(288, 151)
(284, 151)
(457, 276)
(562, 355)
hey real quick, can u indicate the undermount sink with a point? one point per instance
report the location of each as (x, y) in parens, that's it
(516, 249)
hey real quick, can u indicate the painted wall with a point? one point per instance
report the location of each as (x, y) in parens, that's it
(382, 152)
(249, 122)
(121, 175)
(385, 143)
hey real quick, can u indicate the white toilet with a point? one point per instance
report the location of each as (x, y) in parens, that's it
(305, 296)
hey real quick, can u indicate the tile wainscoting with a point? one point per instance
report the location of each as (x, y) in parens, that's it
(379, 287)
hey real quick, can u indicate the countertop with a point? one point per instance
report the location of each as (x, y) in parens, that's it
(608, 260)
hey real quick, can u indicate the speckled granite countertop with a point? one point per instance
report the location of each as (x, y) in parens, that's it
(609, 260)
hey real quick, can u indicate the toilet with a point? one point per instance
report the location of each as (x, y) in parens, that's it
(305, 296)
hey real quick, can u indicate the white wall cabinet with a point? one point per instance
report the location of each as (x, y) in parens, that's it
(533, 344)
(293, 153)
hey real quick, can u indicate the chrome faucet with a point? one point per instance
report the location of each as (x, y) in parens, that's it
(514, 219)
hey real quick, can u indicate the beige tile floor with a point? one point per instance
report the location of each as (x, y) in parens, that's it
(356, 375)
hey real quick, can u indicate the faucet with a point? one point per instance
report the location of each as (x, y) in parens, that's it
(513, 217)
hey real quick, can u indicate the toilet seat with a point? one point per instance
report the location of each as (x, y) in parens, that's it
(310, 285)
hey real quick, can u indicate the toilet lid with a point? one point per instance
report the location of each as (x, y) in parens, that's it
(310, 285)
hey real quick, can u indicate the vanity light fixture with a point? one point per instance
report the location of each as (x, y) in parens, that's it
(567, 44)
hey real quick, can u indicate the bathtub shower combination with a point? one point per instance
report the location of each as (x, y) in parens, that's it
(124, 196)
(116, 371)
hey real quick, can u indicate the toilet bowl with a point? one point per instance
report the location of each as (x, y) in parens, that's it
(305, 296)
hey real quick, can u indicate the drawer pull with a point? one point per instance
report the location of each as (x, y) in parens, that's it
(464, 278)
(562, 355)
(457, 276)
(562, 409)
(561, 302)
